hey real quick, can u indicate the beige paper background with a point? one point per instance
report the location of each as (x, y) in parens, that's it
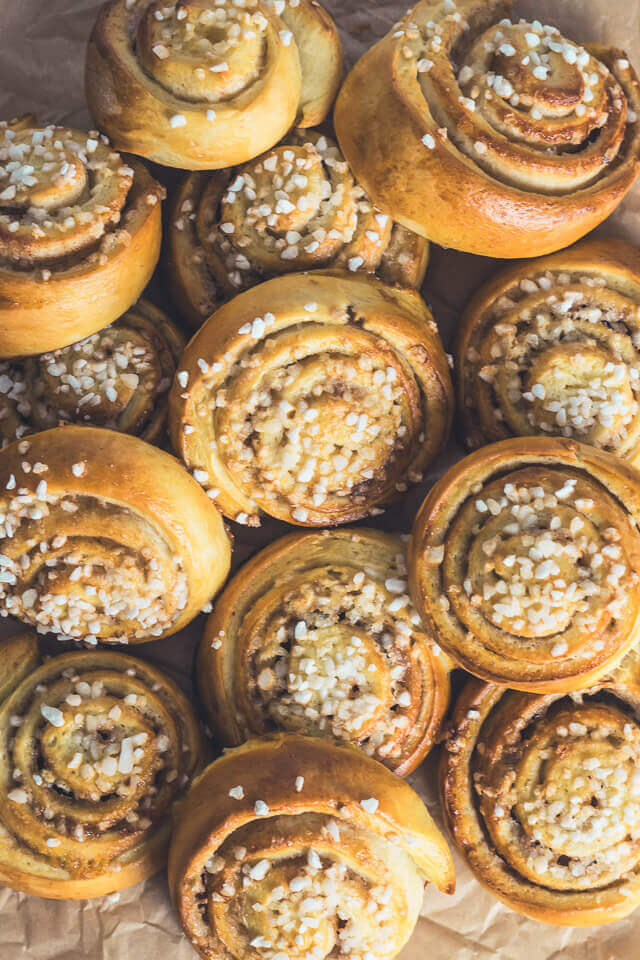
(41, 67)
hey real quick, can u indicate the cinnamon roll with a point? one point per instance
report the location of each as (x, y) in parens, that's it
(104, 538)
(206, 84)
(313, 398)
(542, 796)
(96, 749)
(117, 378)
(498, 138)
(524, 561)
(298, 846)
(317, 635)
(79, 235)
(297, 207)
(553, 347)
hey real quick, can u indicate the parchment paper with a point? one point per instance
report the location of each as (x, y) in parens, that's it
(42, 46)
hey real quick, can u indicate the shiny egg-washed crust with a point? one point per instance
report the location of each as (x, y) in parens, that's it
(502, 742)
(50, 301)
(306, 784)
(330, 577)
(339, 346)
(19, 656)
(573, 347)
(116, 514)
(461, 548)
(474, 173)
(117, 378)
(222, 240)
(143, 88)
(109, 840)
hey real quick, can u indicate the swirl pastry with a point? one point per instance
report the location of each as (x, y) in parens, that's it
(206, 84)
(118, 378)
(542, 795)
(297, 207)
(553, 347)
(523, 563)
(317, 635)
(104, 538)
(312, 398)
(497, 138)
(79, 235)
(96, 748)
(297, 846)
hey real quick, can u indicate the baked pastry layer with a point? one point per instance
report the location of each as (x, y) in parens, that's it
(105, 538)
(79, 235)
(523, 563)
(296, 207)
(96, 748)
(313, 398)
(118, 378)
(541, 795)
(317, 635)
(206, 84)
(296, 845)
(495, 137)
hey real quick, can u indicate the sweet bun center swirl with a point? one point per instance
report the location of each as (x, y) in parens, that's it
(334, 655)
(61, 573)
(202, 50)
(297, 886)
(296, 207)
(96, 755)
(38, 181)
(561, 798)
(59, 192)
(317, 415)
(556, 353)
(112, 378)
(110, 746)
(547, 558)
(582, 386)
(531, 108)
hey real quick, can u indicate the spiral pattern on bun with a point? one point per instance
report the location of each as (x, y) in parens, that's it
(313, 398)
(317, 635)
(96, 748)
(117, 378)
(79, 235)
(542, 795)
(206, 84)
(498, 138)
(297, 207)
(298, 846)
(552, 347)
(104, 538)
(524, 563)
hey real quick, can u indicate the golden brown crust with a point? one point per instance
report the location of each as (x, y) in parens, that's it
(551, 347)
(316, 635)
(112, 527)
(19, 655)
(232, 229)
(72, 260)
(309, 809)
(519, 779)
(503, 158)
(523, 562)
(312, 398)
(97, 748)
(117, 378)
(162, 89)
